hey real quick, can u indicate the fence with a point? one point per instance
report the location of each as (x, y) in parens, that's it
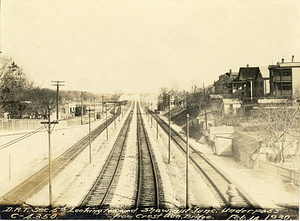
(242, 145)
(241, 152)
(19, 124)
(290, 175)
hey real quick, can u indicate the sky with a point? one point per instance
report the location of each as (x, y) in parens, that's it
(108, 46)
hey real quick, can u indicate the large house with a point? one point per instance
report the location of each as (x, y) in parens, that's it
(285, 79)
(222, 86)
(249, 84)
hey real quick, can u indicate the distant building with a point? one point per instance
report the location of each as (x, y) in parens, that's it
(249, 84)
(71, 107)
(285, 79)
(169, 99)
(231, 105)
(223, 85)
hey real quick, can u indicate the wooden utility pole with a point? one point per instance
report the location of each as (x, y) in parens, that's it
(57, 84)
(169, 143)
(150, 115)
(187, 160)
(102, 104)
(94, 110)
(114, 115)
(205, 107)
(81, 108)
(156, 126)
(90, 143)
(120, 113)
(49, 130)
(106, 123)
(147, 112)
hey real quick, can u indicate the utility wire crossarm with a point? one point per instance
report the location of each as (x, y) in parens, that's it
(57, 84)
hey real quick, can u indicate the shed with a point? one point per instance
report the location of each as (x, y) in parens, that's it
(231, 105)
(221, 137)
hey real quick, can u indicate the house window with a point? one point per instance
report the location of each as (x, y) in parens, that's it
(286, 72)
(286, 75)
(286, 86)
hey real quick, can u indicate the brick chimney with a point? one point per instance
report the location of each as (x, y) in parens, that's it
(293, 58)
(282, 60)
(247, 65)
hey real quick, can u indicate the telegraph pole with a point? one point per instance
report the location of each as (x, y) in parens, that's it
(205, 134)
(205, 107)
(90, 143)
(102, 104)
(156, 125)
(114, 115)
(169, 143)
(187, 161)
(57, 84)
(94, 110)
(148, 108)
(106, 123)
(49, 130)
(151, 116)
(120, 113)
(81, 108)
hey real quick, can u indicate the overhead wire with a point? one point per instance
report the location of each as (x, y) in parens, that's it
(26, 135)
(21, 138)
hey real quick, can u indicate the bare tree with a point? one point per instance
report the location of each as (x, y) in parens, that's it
(162, 98)
(278, 128)
(42, 98)
(195, 87)
(14, 86)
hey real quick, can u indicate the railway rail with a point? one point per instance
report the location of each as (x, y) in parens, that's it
(217, 180)
(148, 186)
(101, 192)
(37, 181)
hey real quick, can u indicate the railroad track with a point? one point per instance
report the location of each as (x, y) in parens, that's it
(148, 188)
(101, 192)
(217, 180)
(37, 181)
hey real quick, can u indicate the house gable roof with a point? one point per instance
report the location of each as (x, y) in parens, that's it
(248, 73)
(223, 79)
(264, 71)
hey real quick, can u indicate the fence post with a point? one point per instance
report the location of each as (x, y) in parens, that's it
(9, 166)
(216, 145)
